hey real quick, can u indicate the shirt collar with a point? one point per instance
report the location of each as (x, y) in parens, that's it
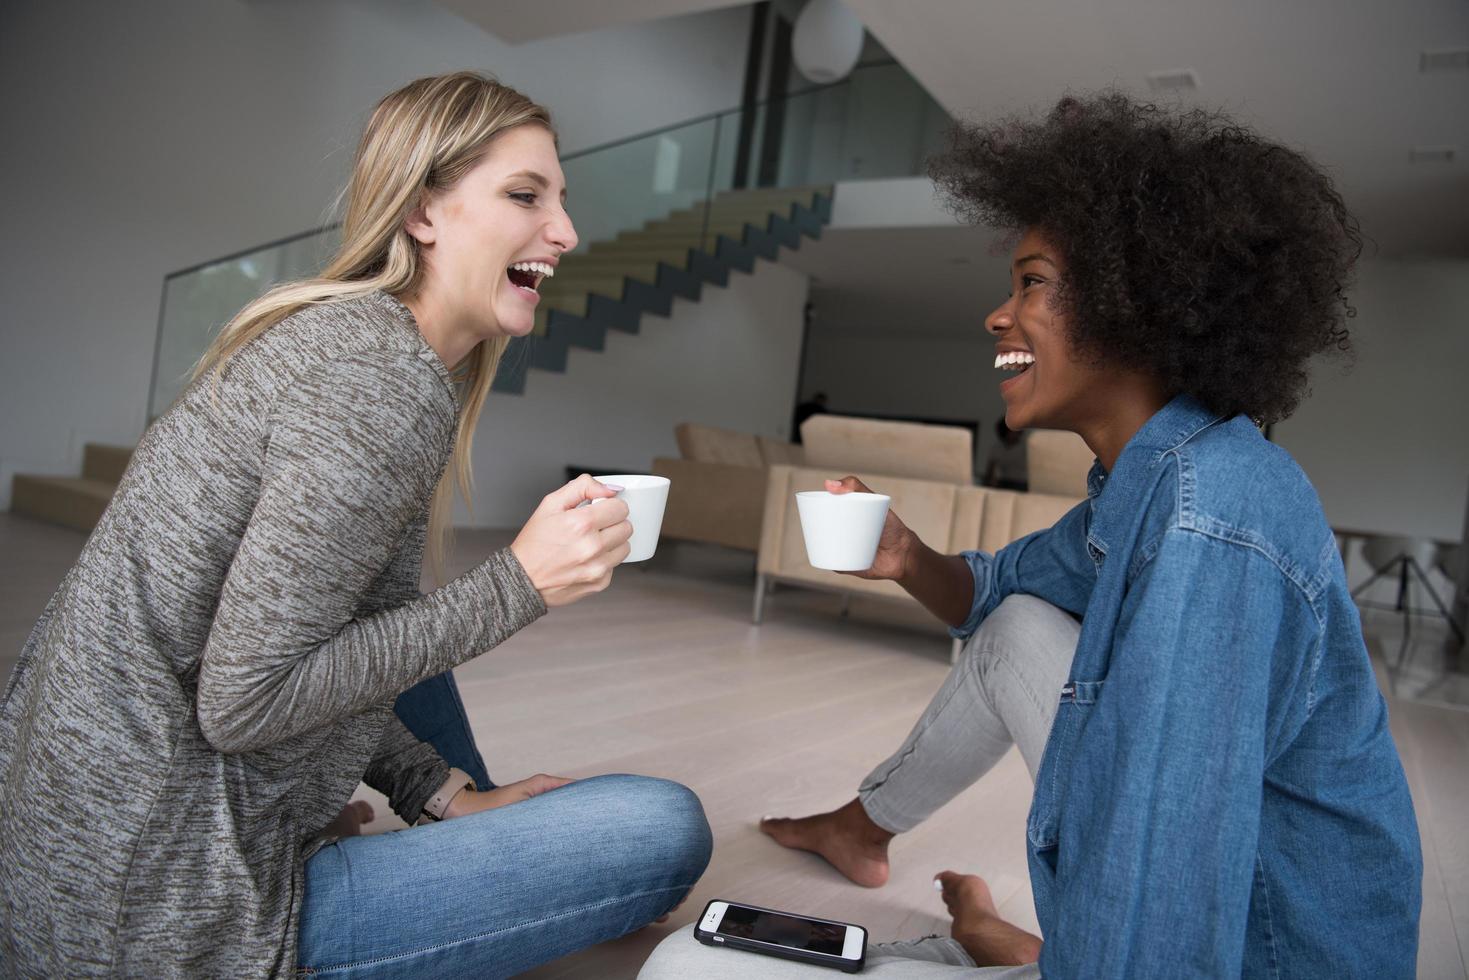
(1114, 496)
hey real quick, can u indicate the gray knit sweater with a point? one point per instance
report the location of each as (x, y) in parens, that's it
(217, 672)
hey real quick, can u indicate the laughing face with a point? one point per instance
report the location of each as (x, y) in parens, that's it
(492, 239)
(1049, 387)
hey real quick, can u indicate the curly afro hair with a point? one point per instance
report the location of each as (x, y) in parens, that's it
(1194, 249)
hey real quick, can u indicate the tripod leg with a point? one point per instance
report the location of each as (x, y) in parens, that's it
(1442, 609)
(1375, 576)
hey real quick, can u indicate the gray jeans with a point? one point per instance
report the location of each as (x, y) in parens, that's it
(1003, 691)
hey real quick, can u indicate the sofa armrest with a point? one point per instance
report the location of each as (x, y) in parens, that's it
(715, 503)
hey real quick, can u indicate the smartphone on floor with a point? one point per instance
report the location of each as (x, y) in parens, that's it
(792, 937)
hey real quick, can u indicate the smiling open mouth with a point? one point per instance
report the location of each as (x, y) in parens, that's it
(1017, 361)
(528, 275)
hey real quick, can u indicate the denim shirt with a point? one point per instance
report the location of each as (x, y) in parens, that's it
(1220, 795)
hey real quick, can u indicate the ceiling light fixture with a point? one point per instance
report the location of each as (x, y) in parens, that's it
(827, 41)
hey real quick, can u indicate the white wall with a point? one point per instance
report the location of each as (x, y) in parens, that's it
(142, 138)
(1387, 444)
(928, 377)
(728, 360)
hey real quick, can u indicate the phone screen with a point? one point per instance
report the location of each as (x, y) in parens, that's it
(783, 930)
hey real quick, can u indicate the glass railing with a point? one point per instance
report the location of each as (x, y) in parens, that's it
(198, 302)
(876, 123)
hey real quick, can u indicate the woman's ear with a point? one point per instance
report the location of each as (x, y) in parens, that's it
(419, 225)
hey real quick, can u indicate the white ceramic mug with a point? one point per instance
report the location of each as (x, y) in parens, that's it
(645, 497)
(842, 529)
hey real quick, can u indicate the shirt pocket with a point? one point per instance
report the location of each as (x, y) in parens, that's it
(1043, 825)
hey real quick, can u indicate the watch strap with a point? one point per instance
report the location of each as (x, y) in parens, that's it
(458, 780)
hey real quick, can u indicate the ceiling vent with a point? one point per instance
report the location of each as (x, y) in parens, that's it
(1178, 80)
(1431, 154)
(1444, 59)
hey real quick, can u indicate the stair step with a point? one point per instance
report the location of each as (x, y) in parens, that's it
(619, 265)
(105, 463)
(693, 228)
(674, 239)
(675, 255)
(75, 502)
(613, 263)
(573, 303)
(729, 214)
(606, 283)
(802, 195)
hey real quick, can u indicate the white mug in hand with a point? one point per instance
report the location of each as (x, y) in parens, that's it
(842, 529)
(645, 497)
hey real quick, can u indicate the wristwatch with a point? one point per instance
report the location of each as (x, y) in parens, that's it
(458, 780)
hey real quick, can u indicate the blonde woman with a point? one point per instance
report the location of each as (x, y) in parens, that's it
(215, 675)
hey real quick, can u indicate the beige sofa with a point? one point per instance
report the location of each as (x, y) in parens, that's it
(926, 472)
(1057, 462)
(717, 489)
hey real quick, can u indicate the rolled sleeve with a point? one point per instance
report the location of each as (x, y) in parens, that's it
(1052, 564)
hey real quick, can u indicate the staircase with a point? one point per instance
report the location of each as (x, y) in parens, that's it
(611, 286)
(614, 283)
(76, 502)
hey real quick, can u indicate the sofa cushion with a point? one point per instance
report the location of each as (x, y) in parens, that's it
(706, 444)
(1057, 462)
(925, 452)
(1009, 516)
(776, 452)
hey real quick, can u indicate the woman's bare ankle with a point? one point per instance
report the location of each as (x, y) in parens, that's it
(854, 817)
(846, 837)
(995, 942)
(988, 939)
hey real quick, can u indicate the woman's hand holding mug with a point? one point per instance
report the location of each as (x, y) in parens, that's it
(894, 547)
(569, 551)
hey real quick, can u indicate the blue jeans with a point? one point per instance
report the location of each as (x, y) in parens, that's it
(499, 892)
(433, 711)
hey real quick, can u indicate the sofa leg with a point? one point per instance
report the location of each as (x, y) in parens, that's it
(760, 589)
(954, 649)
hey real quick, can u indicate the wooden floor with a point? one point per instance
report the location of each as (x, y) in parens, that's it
(665, 675)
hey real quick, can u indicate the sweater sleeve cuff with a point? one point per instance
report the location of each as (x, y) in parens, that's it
(517, 582)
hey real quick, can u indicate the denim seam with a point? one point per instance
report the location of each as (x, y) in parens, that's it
(1317, 652)
(1310, 586)
(408, 954)
(463, 721)
(912, 747)
(1251, 544)
(1269, 917)
(1003, 659)
(1187, 484)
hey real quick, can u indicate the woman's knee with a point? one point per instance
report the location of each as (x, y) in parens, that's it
(1021, 629)
(1024, 622)
(665, 815)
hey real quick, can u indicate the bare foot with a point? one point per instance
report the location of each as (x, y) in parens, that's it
(349, 822)
(847, 838)
(988, 939)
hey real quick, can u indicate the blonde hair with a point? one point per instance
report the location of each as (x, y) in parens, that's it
(422, 138)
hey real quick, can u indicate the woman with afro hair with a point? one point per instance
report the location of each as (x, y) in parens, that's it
(1178, 659)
